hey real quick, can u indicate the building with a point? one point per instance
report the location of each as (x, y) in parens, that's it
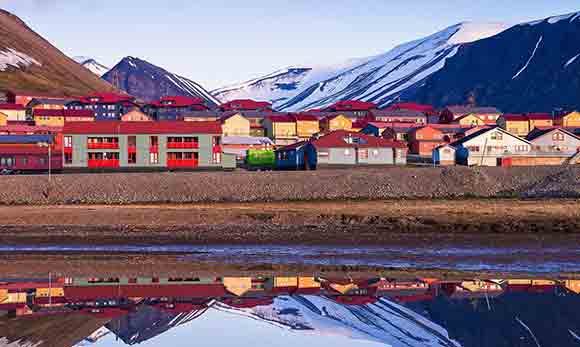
(25, 97)
(135, 115)
(335, 122)
(423, 140)
(115, 145)
(201, 116)
(235, 124)
(523, 124)
(444, 155)
(552, 146)
(489, 115)
(14, 112)
(246, 105)
(3, 119)
(400, 116)
(568, 120)
(352, 109)
(56, 118)
(490, 147)
(470, 120)
(348, 148)
(28, 153)
(47, 104)
(106, 106)
(307, 125)
(239, 145)
(174, 107)
(298, 156)
(281, 129)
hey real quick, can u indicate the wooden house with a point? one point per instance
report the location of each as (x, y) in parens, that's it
(470, 120)
(235, 124)
(246, 105)
(349, 148)
(307, 125)
(444, 155)
(47, 104)
(3, 119)
(298, 156)
(201, 116)
(568, 120)
(174, 107)
(423, 140)
(400, 116)
(135, 115)
(336, 122)
(106, 106)
(281, 129)
(523, 124)
(57, 118)
(489, 115)
(352, 109)
(14, 112)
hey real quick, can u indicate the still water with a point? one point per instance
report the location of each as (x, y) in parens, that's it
(289, 311)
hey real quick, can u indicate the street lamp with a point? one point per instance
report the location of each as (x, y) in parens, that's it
(46, 144)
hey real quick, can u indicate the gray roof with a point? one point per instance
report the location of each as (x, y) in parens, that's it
(398, 113)
(26, 139)
(463, 110)
(60, 102)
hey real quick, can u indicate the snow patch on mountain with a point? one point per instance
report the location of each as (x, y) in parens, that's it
(13, 58)
(555, 19)
(530, 59)
(381, 79)
(5, 343)
(92, 65)
(384, 321)
(572, 60)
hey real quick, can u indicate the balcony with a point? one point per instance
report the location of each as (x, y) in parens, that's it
(67, 149)
(153, 149)
(103, 163)
(182, 145)
(217, 149)
(182, 163)
(132, 149)
(103, 145)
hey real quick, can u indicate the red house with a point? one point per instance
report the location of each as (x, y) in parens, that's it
(423, 140)
(246, 105)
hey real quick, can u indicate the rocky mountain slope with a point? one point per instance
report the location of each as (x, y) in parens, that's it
(92, 65)
(29, 62)
(530, 67)
(380, 79)
(148, 82)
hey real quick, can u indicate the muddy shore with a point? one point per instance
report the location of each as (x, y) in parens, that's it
(323, 185)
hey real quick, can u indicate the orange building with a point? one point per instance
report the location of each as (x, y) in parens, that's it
(423, 141)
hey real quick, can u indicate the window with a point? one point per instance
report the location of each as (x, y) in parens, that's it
(24, 161)
(419, 136)
(154, 158)
(347, 152)
(558, 136)
(67, 141)
(283, 156)
(473, 148)
(42, 161)
(363, 153)
(522, 148)
(375, 152)
(323, 154)
(132, 158)
(68, 158)
(217, 158)
(154, 141)
(496, 136)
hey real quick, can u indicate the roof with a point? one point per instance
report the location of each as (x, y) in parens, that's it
(339, 139)
(539, 132)
(106, 98)
(25, 139)
(399, 113)
(177, 101)
(246, 140)
(24, 150)
(305, 117)
(282, 118)
(64, 113)
(46, 101)
(352, 105)
(359, 123)
(245, 104)
(292, 146)
(165, 127)
(12, 107)
(26, 128)
(414, 130)
(460, 110)
(539, 116)
(411, 106)
(515, 117)
(481, 132)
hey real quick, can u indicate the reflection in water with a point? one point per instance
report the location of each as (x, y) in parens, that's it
(284, 311)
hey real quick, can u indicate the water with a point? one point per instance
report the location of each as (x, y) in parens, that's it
(529, 258)
(282, 310)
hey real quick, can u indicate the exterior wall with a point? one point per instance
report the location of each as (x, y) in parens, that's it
(339, 123)
(543, 123)
(135, 116)
(571, 120)
(471, 120)
(199, 119)
(424, 148)
(15, 115)
(3, 119)
(352, 156)
(549, 143)
(305, 129)
(538, 161)
(49, 121)
(377, 156)
(444, 156)
(236, 125)
(485, 149)
(79, 119)
(519, 128)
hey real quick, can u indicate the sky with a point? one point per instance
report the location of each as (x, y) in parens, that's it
(221, 42)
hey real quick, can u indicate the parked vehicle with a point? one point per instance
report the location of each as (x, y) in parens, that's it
(260, 159)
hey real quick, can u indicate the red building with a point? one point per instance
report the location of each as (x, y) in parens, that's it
(246, 105)
(29, 153)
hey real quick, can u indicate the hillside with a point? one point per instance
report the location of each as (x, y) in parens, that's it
(28, 62)
(149, 82)
(92, 65)
(530, 67)
(380, 79)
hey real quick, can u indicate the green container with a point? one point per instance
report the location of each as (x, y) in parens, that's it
(261, 159)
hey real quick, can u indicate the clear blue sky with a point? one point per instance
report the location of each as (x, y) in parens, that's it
(217, 42)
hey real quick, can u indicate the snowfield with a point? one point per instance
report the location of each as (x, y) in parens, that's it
(92, 65)
(12, 58)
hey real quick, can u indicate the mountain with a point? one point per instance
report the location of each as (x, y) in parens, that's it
(92, 65)
(148, 82)
(380, 79)
(29, 62)
(530, 67)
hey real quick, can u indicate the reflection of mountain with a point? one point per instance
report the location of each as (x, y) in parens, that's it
(383, 321)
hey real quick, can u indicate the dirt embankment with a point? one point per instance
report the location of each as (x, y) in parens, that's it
(360, 183)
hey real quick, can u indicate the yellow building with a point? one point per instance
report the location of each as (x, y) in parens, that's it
(235, 125)
(481, 286)
(336, 122)
(3, 119)
(238, 285)
(14, 112)
(470, 120)
(135, 116)
(571, 120)
(306, 126)
(52, 292)
(308, 282)
(515, 124)
(52, 120)
(281, 129)
(573, 285)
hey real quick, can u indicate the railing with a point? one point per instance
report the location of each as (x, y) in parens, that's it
(181, 145)
(132, 149)
(103, 145)
(182, 163)
(103, 163)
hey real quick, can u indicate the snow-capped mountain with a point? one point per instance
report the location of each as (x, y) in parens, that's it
(380, 79)
(532, 67)
(92, 65)
(148, 82)
(383, 321)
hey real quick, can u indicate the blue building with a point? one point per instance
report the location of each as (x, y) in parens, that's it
(107, 106)
(298, 156)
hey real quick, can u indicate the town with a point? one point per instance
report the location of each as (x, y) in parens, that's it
(115, 132)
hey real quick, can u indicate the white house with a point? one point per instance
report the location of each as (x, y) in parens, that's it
(444, 155)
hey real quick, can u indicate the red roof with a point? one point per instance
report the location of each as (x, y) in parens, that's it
(339, 139)
(245, 104)
(145, 290)
(515, 117)
(12, 107)
(178, 101)
(539, 116)
(360, 123)
(282, 118)
(64, 113)
(20, 128)
(352, 105)
(411, 106)
(23, 149)
(305, 117)
(165, 127)
(106, 98)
